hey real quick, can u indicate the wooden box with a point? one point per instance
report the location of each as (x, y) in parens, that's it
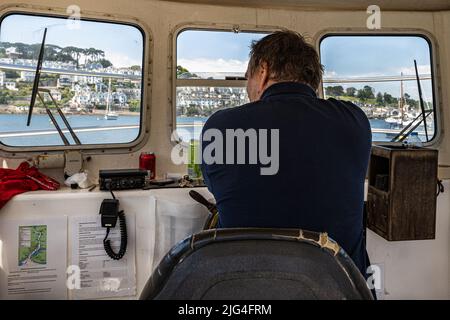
(401, 198)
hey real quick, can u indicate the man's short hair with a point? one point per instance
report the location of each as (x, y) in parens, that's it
(289, 58)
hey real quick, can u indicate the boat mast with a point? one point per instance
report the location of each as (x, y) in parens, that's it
(400, 102)
(108, 97)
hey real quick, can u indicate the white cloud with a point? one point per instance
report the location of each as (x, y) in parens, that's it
(330, 74)
(410, 71)
(121, 60)
(213, 65)
(423, 69)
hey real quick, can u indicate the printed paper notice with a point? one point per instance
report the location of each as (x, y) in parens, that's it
(101, 276)
(33, 260)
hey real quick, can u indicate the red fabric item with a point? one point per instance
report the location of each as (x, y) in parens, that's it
(24, 178)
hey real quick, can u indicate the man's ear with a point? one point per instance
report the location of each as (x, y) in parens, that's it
(263, 76)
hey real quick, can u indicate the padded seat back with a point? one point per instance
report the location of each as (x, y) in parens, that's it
(242, 264)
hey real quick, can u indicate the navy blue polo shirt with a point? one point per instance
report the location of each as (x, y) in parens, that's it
(324, 148)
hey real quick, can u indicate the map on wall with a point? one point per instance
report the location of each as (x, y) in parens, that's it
(32, 245)
(34, 257)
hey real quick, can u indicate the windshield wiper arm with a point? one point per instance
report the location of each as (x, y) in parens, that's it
(37, 76)
(424, 114)
(422, 107)
(55, 123)
(36, 93)
(61, 114)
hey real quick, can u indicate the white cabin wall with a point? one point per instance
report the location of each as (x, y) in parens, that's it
(442, 27)
(442, 20)
(415, 269)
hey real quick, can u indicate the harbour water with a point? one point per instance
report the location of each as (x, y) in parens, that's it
(14, 131)
(94, 129)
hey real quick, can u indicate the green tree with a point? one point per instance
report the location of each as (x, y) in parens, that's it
(192, 111)
(181, 70)
(105, 63)
(66, 95)
(75, 53)
(24, 90)
(63, 57)
(51, 52)
(380, 101)
(365, 93)
(388, 99)
(135, 105)
(5, 97)
(412, 103)
(350, 91)
(334, 91)
(93, 54)
(89, 54)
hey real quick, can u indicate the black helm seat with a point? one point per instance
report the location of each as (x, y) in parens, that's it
(245, 264)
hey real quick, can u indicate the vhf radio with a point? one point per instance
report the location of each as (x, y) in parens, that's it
(122, 179)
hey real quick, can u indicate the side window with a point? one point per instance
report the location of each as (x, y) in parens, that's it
(378, 74)
(91, 71)
(211, 68)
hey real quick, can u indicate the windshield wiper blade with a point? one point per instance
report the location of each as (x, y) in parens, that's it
(413, 125)
(424, 114)
(36, 93)
(422, 107)
(37, 76)
(61, 114)
(53, 120)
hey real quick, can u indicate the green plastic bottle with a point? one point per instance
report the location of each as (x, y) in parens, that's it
(194, 170)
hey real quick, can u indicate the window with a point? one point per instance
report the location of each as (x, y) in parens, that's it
(91, 69)
(378, 74)
(211, 68)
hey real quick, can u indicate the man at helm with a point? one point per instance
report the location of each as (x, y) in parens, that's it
(321, 150)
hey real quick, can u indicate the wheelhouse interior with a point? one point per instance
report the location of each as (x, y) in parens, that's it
(136, 80)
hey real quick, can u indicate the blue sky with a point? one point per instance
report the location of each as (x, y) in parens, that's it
(122, 44)
(356, 55)
(359, 56)
(214, 51)
(192, 44)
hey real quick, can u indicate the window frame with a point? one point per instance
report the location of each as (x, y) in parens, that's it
(113, 148)
(434, 59)
(174, 82)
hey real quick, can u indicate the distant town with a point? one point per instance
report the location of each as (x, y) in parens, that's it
(76, 94)
(203, 101)
(396, 112)
(87, 94)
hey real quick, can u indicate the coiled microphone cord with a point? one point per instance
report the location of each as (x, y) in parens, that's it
(123, 237)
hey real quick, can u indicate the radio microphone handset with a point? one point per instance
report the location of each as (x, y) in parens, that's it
(109, 211)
